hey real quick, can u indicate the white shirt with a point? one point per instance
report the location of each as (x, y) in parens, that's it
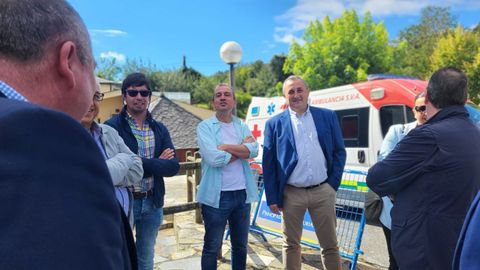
(233, 177)
(311, 167)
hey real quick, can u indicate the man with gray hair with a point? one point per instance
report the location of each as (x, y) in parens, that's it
(303, 160)
(434, 174)
(58, 202)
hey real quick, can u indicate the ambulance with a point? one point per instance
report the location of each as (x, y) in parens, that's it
(365, 111)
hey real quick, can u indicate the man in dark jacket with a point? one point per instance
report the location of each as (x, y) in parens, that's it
(434, 174)
(151, 141)
(58, 206)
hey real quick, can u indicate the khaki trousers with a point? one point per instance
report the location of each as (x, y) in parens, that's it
(320, 202)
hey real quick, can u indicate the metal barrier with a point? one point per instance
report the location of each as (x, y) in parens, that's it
(350, 203)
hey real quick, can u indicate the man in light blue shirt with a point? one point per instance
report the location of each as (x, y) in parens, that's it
(303, 161)
(227, 188)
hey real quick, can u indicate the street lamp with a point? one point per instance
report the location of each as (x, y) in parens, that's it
(231, 53)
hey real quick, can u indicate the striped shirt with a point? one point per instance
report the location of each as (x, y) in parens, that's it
(10, 93)
(146, 148)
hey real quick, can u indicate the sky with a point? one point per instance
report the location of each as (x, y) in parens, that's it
(161, 32)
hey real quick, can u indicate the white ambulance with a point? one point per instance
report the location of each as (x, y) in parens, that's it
(365, 112)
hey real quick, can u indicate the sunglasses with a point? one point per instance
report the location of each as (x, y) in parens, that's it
(420, 108)
(98, 96)
(143, 93)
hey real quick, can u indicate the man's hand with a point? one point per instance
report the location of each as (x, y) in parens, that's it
(233, 158)
(274, 208)
(167, 154)
(248, 139)
(222, 147)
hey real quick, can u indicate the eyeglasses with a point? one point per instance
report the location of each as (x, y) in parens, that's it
(143, 93)
(420, 108)
(98, 96)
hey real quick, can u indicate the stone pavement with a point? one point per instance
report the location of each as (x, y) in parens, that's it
(180, 247)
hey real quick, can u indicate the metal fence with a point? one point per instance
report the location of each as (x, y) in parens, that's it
(350, 203)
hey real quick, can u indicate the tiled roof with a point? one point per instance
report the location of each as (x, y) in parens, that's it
(181, 124)
(199, 112)
(102, 80)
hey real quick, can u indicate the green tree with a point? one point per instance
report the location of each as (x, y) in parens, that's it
(138, 65)
(473, 73)
(109, 69)
(243, 100)
(268, 79)
(459, 48)
(476, 29)
(340, 52)
(171, 81)
(256, 78)
(203, 89)
(276, 65)
(422, 38)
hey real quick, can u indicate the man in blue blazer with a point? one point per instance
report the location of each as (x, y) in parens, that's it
(466, 254)
(303, 161)
(58, 206)
(434, 175)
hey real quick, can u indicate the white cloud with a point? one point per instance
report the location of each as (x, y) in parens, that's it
(109, 32)
(268, 45)
(392, 7)
(296, 19)
(118, 56)
(306, 11)
(287, 38)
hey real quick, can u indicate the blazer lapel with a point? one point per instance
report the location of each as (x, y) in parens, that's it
(320, 127)
(288, 127)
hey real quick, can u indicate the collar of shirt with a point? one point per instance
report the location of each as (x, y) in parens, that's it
(215, 120)
(95, 129)
(129, 116)
(133, 123)
(297, 115)
(10, 93)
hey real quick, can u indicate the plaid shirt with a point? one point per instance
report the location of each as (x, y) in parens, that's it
(10, 93)
(146, 148)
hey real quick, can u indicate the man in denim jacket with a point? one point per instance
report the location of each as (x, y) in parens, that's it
(227, 188)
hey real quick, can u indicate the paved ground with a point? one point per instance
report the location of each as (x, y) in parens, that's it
(181, 246)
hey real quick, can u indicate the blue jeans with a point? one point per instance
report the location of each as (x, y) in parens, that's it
(147, 221)
(234, 209)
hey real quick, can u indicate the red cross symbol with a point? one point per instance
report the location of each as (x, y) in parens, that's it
(255, 132)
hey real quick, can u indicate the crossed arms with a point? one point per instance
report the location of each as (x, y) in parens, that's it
(215, 155)
(238, 151)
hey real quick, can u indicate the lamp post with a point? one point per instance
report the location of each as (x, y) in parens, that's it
(231, 53)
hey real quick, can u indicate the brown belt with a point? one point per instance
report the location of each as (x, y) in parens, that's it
(142, 195)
